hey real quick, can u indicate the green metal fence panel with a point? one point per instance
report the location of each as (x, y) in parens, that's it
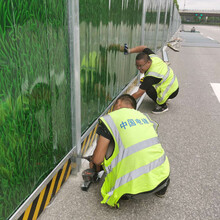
(175, 21)
(151, 23)
(104, 26)
(35, 129)
(105, 71)
(161, 27)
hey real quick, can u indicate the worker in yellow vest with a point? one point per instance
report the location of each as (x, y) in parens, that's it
(138, 163)
(159, 81)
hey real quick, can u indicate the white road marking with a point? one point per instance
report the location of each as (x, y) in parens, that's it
(210, 38)
(216, 88)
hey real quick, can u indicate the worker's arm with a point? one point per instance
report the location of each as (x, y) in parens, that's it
(139, 93)
(100, 152)
(137, 49)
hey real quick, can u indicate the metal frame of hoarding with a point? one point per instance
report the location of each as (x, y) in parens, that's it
(169, 35)
(143, 22)
(74, 43)
(157, 25)
(165, 20)
(73, 19)
(142, 30)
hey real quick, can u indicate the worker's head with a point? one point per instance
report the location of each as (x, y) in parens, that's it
(125, 101)
(143, 62)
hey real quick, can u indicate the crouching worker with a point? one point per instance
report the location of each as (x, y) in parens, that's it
(138, 163)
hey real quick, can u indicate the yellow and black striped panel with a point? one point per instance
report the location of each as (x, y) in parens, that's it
(45, 196)
(90, 138)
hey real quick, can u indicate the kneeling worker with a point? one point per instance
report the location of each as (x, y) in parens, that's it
(138, 163)
(159, 81)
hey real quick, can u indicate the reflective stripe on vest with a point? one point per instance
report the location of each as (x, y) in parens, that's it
(164, 78)
(136, 173)
(155, 74)
(167, 89)
(125, 152)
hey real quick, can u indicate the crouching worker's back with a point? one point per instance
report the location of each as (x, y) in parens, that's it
(138, 163)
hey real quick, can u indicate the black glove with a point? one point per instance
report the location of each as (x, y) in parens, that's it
(126, 49)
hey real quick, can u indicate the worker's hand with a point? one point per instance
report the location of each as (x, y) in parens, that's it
(91, 164)
(97, 168)
(126, 50)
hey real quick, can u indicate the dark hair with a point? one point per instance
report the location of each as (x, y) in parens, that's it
(128, 99)
(143, 56)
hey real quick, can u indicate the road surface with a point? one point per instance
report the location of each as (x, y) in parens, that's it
(189, 133)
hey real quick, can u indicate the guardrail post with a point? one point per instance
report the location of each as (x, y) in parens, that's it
(74, 49)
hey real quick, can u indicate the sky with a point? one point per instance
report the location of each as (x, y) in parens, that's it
(200, 4)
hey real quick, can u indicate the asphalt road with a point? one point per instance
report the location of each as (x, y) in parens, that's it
(189, 133)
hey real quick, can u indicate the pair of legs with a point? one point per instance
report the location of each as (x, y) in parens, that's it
(159, 191)
(151, 92)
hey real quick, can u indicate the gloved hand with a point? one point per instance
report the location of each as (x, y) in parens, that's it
(126, 50)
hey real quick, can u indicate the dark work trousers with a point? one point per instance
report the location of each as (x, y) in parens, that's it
(166, 183)
(151, 92)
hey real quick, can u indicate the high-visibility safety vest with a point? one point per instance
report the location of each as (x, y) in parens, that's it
(168, 83)
(138, 163)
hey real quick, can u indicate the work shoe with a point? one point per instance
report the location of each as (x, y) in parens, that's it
(162, 192)
(160, 109)
(125, 197)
